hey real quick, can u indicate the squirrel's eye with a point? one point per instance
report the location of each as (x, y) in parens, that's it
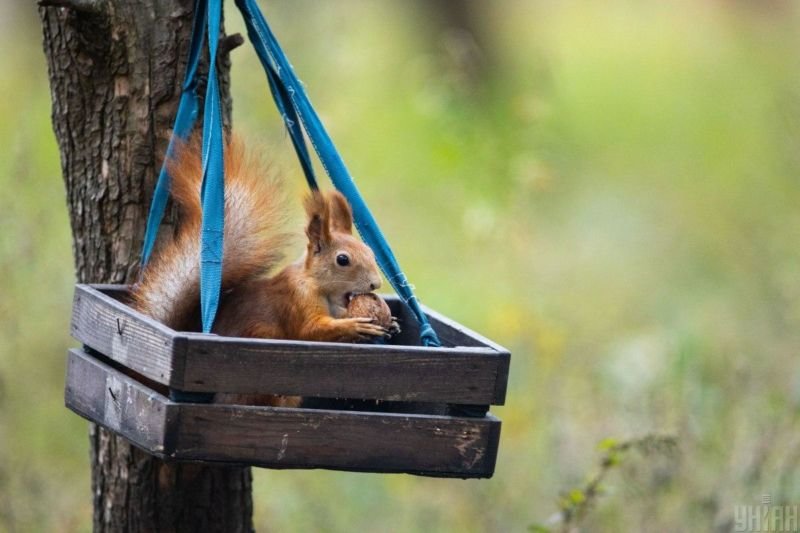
(342, 260)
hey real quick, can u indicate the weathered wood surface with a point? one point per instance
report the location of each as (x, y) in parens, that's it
(451, 332)
(115, 401)
(280, 437)
(341, 440)
(472, 371)
(342, 371)
(120, 333)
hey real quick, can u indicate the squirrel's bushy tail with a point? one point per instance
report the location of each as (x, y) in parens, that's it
(255, 234)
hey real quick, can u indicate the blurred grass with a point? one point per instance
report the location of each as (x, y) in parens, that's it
(615, 198)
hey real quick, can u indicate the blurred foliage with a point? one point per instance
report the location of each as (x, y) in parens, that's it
(610, 189)
(575, 504)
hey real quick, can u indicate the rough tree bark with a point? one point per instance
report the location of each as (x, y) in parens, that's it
(115, 69)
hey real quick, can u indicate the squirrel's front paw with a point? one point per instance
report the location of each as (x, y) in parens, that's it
(361, 328)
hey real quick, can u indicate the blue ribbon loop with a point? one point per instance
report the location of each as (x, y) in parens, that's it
(298, 114)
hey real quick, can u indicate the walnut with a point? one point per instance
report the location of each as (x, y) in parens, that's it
(371, 306)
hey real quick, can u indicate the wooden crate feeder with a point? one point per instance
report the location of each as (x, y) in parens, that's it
(398, 408)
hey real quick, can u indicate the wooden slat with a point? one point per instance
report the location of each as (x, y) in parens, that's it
(473, 371)
(116, 401)
(451, 331)
(281, 437)
(341, 440)
(125, 336)
(330, 370)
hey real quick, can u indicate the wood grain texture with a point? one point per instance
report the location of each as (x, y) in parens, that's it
(451, 331)
(122, 405)
(280, 437)
(329, 370)
(129, 338)
(472, 371)
(341, 440)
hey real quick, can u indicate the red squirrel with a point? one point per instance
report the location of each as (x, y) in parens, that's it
(307, 300)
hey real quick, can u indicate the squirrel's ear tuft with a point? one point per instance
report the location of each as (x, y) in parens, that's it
(341, 214)
(318, 229)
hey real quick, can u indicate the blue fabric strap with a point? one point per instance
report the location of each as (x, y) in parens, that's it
(212, 191)
(184, 122)
(283, 82)
(286, 109)
(212, 195)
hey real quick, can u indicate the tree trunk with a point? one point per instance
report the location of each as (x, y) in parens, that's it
(116, 68)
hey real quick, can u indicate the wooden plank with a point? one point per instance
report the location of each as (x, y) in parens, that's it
(452, 332)
(341, 440)
(475, 372)
(457, 334)
(126, 336)
(116, 401)
(280, 437)
(331, 370)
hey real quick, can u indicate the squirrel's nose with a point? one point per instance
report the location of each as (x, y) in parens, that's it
(375, 284)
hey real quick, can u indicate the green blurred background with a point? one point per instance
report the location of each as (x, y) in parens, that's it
(609, 189)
